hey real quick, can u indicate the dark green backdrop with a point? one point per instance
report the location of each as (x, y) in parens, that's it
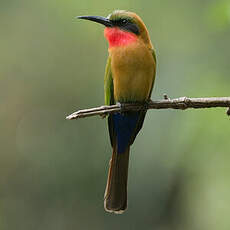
(53, 171)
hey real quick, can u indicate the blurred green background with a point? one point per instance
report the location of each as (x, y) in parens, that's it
(53, 171)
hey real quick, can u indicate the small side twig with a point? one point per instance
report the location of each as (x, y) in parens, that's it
(181, 103)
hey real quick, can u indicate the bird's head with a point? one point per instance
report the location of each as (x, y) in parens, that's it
(122, 27)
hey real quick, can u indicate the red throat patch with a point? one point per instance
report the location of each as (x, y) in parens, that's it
(118, 37)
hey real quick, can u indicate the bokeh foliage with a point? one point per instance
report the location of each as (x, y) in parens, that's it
(53, 172)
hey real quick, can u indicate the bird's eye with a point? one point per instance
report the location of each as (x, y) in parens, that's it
(124, 21)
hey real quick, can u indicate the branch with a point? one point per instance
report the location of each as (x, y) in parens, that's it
(178, 103)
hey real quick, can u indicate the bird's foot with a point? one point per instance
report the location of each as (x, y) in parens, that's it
(144, 105)
(122, 107)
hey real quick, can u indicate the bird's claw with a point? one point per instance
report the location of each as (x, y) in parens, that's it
(144, 105)
(122, 107)
(104, 115)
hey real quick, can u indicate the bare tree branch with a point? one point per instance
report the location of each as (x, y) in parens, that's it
(178, 103)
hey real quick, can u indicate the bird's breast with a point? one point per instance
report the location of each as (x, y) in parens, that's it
(133, 70)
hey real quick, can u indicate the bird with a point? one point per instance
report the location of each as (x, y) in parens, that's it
(129, 78)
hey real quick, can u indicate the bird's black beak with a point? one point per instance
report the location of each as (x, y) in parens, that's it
(104, 21)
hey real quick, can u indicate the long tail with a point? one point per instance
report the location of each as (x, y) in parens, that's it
(123, 129)
(115, 199)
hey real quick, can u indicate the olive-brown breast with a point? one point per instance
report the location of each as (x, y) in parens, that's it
(133, 70)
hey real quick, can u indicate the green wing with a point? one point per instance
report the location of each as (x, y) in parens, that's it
(108, 84)
(109, 96)
(154, 55)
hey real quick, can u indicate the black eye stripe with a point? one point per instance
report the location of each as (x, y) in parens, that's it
(131, 28)
(127, 25)
(121, 22)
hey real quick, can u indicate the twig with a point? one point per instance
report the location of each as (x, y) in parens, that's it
(178, 103)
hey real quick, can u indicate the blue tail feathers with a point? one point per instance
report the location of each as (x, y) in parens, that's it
(125, 126)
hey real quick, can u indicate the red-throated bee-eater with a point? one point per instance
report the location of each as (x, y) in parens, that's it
(129, 78)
